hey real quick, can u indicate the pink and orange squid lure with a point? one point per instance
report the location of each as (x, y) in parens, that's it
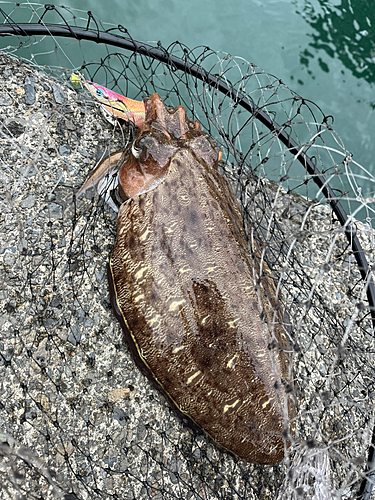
(113, 103)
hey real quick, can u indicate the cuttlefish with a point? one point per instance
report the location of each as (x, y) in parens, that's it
(198, 309)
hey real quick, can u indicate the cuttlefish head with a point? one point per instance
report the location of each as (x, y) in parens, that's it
(164, 132)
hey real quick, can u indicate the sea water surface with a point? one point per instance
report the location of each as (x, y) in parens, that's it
(323, 50)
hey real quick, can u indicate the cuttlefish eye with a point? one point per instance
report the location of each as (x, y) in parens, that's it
(99, 92)
(136, 151)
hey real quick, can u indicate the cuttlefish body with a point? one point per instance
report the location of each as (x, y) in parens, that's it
(200, 316)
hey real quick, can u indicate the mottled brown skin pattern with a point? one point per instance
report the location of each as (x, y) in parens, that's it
(189, 295)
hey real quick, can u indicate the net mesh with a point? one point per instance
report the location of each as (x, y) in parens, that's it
(77, 419)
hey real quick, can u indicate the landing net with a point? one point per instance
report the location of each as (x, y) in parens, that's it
(77, 419)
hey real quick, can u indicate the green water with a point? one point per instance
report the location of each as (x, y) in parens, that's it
(323, 50)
